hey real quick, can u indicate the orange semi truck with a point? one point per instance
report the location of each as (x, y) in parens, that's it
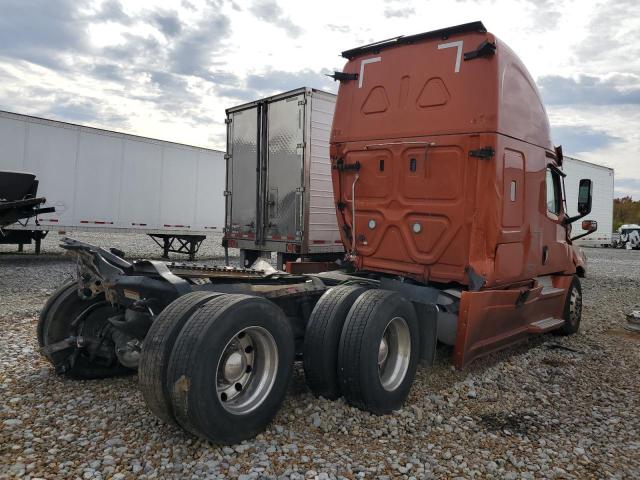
(449, 198)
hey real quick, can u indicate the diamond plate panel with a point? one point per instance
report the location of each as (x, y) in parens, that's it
(244, 161)
(285, 167)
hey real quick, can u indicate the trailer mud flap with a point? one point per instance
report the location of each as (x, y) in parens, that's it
(493, 319)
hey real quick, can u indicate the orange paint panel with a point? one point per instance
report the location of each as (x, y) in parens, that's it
(491, 319)
(509, 261)
(513, 189)
(433, 94)
(459, 146)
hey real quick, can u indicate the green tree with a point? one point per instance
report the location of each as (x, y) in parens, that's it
(625, 210)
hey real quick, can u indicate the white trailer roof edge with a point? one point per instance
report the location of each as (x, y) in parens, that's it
(597, 165)
(279, 96)
(100, 131)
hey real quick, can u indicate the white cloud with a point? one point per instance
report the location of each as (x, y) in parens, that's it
(169, 71)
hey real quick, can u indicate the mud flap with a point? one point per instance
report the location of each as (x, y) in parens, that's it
(493, 319)
(427, 320)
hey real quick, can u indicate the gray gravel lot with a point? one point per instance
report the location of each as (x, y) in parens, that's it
(529, 412)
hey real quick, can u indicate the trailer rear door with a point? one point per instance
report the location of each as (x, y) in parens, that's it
(243, 172)
(285, 177)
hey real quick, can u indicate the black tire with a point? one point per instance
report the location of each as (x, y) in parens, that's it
(56, 324)
(358, 354)
(322, 338)
(195, 366)
(156, 351)
(68, 285)
(572, 313)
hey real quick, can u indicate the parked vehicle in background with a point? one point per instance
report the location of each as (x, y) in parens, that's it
(602, 212)
(279, 195)
(19, 200)
(628, 236)
(100, 180)
(452, 214)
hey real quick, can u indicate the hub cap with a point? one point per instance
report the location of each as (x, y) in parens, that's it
(394, 352)
(246, 370)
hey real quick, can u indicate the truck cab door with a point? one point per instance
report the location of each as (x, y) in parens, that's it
(555, 255)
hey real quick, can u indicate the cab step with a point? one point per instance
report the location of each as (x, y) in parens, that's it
(547, 291)
(545, 325)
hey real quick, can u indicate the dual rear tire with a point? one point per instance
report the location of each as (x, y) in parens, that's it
(364, 345)
(219, 366)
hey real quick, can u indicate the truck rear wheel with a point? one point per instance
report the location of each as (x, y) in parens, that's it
(572, 314)
(322, 338)
(157, 347)
(379, 351)
(230, 368)
(74, 335)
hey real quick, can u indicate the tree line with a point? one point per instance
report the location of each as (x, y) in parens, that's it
(625, 211)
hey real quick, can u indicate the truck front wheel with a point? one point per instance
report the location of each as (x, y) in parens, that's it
(572, 314)
(379, 351)
(230, 368)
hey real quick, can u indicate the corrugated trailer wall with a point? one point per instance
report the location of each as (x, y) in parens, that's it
(102, 180)
(323, 224)
(602, 209)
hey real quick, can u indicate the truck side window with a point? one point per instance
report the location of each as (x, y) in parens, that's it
(554, 196)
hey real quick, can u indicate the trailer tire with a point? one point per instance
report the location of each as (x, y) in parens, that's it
(156, 351)
(56, 323)
(572, 313)
(322, 339)
(230, 368)
(379, 351)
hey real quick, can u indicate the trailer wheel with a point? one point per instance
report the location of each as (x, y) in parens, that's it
(157, 347)
(572, 309)
(379, 351)
(230, 368)
(74, 335)
(322, 338)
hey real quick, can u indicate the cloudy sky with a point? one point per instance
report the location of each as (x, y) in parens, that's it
(168, 69)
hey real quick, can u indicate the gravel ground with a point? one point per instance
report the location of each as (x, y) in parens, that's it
(534, 411)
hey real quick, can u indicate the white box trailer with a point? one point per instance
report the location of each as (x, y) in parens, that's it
(602, 210)
(279, 191)
(100, 180)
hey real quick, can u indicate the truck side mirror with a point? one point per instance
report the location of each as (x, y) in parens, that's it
(584, 196)
(589, 225)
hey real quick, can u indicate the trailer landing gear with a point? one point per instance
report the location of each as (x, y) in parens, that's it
(187, 244)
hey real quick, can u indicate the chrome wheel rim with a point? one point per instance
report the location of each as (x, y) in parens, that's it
(246, 370)
(394, 353)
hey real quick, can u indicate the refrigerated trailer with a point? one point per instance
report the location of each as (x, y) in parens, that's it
(602, 212)
(101, 180)
(279, 193)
